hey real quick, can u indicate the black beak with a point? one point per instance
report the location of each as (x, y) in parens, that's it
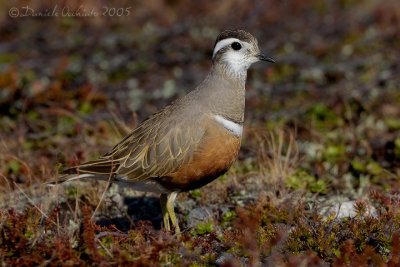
(265, 58)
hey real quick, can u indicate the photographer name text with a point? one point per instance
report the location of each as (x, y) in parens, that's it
(58, 11)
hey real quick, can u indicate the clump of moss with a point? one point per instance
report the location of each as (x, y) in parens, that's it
(326, 236)
(301, 179)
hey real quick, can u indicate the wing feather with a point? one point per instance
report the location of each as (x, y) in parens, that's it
(158, 146)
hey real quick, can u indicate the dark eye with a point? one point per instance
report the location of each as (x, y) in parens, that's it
(236, 46)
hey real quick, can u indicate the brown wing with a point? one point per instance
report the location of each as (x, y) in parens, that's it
(155, 148)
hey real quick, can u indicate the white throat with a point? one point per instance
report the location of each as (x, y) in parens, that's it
(236, 62)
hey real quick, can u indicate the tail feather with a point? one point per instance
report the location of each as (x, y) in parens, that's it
(104, 170)
(73, 177)
(121, 180)
(106, 167)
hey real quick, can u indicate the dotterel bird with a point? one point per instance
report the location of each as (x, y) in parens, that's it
(191, 142)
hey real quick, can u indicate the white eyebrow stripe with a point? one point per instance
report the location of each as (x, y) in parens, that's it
(223, 43)
(233, 127)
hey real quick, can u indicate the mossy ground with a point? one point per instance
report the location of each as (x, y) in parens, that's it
(317, 181)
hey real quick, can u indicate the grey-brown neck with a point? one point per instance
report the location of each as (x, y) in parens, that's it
(223, 69)
(223, 93)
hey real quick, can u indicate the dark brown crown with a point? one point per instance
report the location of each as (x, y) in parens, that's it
(238, 34)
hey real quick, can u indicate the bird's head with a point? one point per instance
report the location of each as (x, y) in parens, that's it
(236, 50)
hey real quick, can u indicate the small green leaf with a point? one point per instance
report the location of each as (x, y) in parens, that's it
(334, 152)
(358, 165)
(374, 168)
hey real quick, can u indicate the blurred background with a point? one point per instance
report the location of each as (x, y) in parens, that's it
(75, 75)
(322, 129)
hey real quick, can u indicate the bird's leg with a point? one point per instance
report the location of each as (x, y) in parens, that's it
(167, 206)
(164, 209)
(171, 211)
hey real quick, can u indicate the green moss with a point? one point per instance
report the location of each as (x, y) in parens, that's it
(393, 123)
(299, 180)
(374, 168)
(14, 166)
(318, 186)
(196, 264)
(86, 108)
(203, 228)
(170, 259)
(358, 165)
(333, 153)
(228, 217)
(265, 234)
(71, 192)
(196, 194)
(369, 167)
